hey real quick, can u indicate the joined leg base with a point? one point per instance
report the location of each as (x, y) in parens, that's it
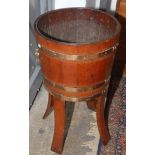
(63, 112)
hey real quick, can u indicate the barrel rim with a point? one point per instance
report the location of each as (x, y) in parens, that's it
(117, 31)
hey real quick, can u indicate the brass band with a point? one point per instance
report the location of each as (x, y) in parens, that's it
(77, 89)
(78, 57)
(75, 99)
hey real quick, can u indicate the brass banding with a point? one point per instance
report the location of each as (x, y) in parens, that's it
(70, 57)
(77, 89)
(74, 99)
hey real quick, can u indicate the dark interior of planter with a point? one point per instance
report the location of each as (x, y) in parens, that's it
(77, 26)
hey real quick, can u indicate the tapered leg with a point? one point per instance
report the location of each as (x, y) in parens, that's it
(92, 105)
(49, 106)
(102, 127)
(62, 123)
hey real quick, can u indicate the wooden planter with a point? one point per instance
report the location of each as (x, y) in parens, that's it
(76, 51)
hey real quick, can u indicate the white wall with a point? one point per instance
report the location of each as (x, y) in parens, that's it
(97, 4)
(111, 5)
(47, 5)
(69, 3)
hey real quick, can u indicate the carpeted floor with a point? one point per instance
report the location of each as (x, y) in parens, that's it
(116, 116)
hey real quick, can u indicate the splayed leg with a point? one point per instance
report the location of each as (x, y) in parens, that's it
(49, 106)
(102, 127)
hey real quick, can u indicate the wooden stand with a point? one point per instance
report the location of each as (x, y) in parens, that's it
(61, 129)
(76, 62)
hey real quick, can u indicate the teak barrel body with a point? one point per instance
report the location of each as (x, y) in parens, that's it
(76, 51)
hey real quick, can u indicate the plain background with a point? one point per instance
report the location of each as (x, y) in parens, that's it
(14, 78)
